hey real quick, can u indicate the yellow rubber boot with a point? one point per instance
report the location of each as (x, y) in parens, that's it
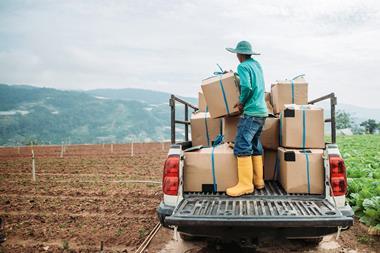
(245, 175)
(258, 171)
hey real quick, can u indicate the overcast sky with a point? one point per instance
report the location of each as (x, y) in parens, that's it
(172, 45)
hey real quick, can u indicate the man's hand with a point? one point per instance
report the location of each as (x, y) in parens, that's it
(240, 107)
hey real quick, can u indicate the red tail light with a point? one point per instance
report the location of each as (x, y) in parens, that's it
(171, 173)
(338, 175)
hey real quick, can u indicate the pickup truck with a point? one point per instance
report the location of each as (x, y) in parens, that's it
(270, 212)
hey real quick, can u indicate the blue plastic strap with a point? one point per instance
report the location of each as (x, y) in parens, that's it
(292, 91)
(224, 95)
(294, 87)
(218, 140)
(307, 172)
(303, 128)
(220, 74)
(221, 70)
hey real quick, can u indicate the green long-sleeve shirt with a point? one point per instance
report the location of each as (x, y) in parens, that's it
(252, 88)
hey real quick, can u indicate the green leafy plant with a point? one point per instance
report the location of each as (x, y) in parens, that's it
(361, 154)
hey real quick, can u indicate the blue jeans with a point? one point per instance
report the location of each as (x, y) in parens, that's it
(247, 140)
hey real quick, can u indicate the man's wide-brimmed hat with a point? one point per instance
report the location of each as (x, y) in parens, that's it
(243, 47)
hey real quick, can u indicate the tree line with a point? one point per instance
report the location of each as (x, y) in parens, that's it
(345, 120)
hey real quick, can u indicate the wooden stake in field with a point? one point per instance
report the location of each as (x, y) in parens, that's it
(132, 148)
(62, 150)
(111, 147)
(33, 167)
(18, 150)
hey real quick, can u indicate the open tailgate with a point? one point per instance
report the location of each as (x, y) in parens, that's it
(260, 212)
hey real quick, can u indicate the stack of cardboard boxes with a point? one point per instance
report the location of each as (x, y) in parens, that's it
(301, 138)
(213, 169)
(292, 137)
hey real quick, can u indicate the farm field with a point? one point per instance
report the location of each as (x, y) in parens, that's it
(81, 199)
(89, 196)
(361, 154)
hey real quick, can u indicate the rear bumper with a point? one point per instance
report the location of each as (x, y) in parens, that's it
(261, 222)
(347, 211)
(164, 211)
(237, 229)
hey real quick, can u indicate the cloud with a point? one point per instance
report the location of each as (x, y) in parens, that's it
(172, 45)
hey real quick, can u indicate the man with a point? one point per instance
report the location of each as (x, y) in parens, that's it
(252, 105)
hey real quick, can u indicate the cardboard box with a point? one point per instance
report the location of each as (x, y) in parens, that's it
(270, 134)
(268, 101)
(201, 102)
(204, 129)
(302, 127)
(221, 104)
(230, 128)
(271, 165)
(301, 171)
(197, 172)
(282, 93)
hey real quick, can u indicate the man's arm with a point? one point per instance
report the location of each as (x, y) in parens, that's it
(245, 85)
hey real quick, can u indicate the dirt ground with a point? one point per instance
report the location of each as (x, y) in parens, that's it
(81, 199)
(89, 196)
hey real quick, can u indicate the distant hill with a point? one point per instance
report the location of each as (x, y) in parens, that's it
(48, 115)
(360, 114)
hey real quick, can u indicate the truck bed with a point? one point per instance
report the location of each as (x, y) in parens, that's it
(270, 207)
(273, 189)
